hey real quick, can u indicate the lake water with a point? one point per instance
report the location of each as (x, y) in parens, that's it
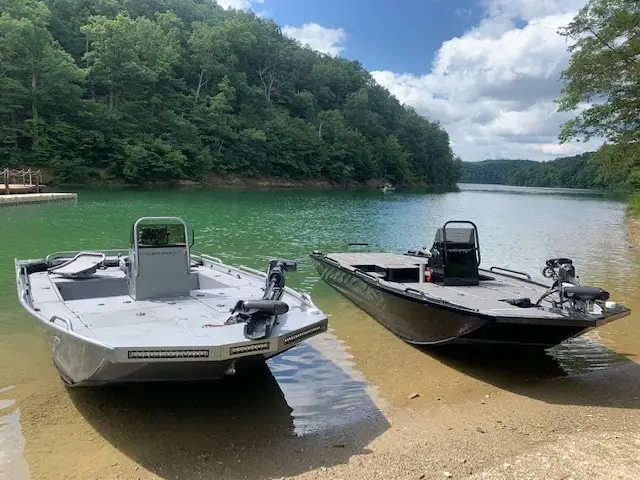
(342, 381)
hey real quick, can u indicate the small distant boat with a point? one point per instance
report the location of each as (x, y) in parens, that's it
(388, 188)
(159, 312)
(442, 297)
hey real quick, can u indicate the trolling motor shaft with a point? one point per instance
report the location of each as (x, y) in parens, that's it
(259, 316)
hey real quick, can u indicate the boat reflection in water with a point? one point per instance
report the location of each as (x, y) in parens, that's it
(273, 423)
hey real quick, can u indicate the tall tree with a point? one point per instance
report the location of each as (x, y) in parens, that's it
(603, 82)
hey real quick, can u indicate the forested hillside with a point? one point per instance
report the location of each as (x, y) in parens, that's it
(579, 171)
(492, 171)
(155, 90)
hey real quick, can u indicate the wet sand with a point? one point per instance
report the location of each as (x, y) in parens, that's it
(342, 406)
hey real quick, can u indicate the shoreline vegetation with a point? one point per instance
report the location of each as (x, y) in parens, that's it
(181, 90)
(244, 182)
(579, 171)
(633, 220)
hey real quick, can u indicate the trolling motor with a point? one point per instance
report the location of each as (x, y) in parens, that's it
(566, 284)
(259, 316)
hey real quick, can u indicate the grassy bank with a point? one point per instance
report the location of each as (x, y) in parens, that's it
(633, 219)
(633, 206)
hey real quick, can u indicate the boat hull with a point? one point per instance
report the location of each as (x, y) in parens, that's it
(80, 363)
(416, 321)
(159, 312)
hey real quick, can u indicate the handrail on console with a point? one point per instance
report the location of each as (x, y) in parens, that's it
(525, 274)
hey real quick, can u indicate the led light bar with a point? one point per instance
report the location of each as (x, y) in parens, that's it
(253, 347)
(302, 335)
(168, 353)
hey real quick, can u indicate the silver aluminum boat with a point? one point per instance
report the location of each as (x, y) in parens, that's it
(157, 311)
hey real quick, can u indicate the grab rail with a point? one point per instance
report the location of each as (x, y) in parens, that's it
(173, 219)
(251, 270)
(331, 260)
(368, 274)
(66, 321)
(475, 232)
(413, 290)
(511, 271)
(210, 258)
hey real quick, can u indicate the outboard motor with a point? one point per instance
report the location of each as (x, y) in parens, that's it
(259, 316)
(580, 298)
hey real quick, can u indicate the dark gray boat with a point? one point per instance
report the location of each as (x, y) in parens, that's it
(442, 296)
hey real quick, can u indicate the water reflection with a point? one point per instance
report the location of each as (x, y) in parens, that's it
(12, 464)
(323, 389)
(579, 372)
(247, 425)
(585, 354)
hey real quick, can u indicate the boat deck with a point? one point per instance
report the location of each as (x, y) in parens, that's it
(101, 308)
(487, 297)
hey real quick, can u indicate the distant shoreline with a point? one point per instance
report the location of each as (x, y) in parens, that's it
(262, 183)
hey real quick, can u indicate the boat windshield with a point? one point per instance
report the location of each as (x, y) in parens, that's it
(161, 235)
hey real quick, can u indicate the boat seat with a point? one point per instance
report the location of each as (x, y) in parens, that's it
(83, 265)
(456, 262)
(159, 264)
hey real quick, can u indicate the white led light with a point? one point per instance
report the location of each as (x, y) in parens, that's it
(303, 334)
(253, 347)
(168, 353)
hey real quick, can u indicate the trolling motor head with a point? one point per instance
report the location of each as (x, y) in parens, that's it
(569, 289)
(260, 316)
(560, 269)
(276, 270)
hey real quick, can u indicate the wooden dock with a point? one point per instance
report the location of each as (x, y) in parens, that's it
(16, 188)
(20, 181)
(29, 198)
(29, 190)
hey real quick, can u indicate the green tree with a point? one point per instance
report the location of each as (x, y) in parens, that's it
(603, 81)
(162, 90)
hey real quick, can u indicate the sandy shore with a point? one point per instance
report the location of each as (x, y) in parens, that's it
(562, 428)
(506, 436)
(433, 417)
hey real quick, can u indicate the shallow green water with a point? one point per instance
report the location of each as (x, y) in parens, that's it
(518, 228)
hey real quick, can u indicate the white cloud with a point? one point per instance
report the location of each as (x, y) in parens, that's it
(493, 87)
(463, 12)
(237, 4)
(322, 39)
(531, 9)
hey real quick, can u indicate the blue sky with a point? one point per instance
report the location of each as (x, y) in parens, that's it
(397, 35)
(487, 70)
